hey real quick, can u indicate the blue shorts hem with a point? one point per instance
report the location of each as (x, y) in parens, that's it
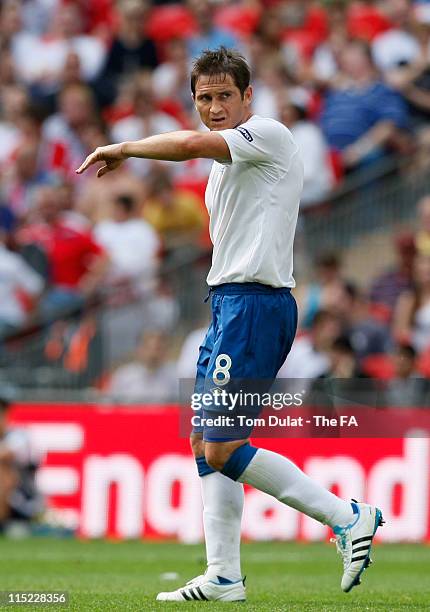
(211, 439)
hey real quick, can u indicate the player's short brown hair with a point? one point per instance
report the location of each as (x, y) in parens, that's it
(222, 61)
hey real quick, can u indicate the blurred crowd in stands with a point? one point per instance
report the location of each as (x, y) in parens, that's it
(20, 499)
(350, 79)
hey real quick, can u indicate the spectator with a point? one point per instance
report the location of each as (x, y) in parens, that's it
(20, 287)
(37, 15)
(77, 113)
(171, 78)
(267, 47)
(341, 385)
(72, 74)
(270, 84)
(130, 51)
(52, 154)
(368, 19)
(13, 103)
(309, 356)
(209, 36)
(66, 36)
(410, 75)
(145, 121)
(66, 198)
(7, 68)
(304, 25)
(95, 198)
(10, 22)
(421, 163)
(366, 335)
(326, 292)
(326, 59)
(411, 321)
(162, 310)
(387, 287)
(77, 264)
(361, 115)
(407, 389)
(422, 237)
(7, 219)
(176, 215)
(132, 246)
(23, 44)
(398, 45)
(151, 377)
(24, 177)
(413, 83)
(318, 175)
(343, 359)
(19, 498)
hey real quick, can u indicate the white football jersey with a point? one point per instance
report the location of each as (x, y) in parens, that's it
(253, 203)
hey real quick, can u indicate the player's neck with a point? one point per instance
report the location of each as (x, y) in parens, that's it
(244, 119)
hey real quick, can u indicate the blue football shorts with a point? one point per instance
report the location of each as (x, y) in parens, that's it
(251, 333)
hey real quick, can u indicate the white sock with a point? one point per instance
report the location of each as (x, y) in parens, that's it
(222, 515)
(278, 476)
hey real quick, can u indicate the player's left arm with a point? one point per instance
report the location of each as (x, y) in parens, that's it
(171, 146)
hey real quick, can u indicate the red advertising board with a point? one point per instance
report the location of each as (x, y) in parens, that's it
(124, 471)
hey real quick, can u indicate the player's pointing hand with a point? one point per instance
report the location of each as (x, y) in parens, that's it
(112, 155)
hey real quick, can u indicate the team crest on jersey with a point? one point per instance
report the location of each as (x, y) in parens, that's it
(245, 133)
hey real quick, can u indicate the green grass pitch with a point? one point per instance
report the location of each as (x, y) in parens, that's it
(105, 575)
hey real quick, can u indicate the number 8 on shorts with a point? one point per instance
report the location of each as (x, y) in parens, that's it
(222, 367)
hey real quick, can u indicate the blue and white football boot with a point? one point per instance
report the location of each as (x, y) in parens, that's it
(354, 542)
(202, 588)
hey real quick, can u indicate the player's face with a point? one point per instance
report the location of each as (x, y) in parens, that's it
(219, 102)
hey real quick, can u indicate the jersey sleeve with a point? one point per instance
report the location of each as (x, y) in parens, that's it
(257, 141)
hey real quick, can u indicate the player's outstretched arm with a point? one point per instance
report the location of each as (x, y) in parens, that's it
(172, 146)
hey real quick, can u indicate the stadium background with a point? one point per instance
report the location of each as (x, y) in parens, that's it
(102, 283)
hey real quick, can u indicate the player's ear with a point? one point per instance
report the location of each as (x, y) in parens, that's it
(247, 96)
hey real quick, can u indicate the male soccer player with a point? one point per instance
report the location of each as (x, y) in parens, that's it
(252, 197)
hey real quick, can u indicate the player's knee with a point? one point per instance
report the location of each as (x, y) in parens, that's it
(215, 458)
(197, 445)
